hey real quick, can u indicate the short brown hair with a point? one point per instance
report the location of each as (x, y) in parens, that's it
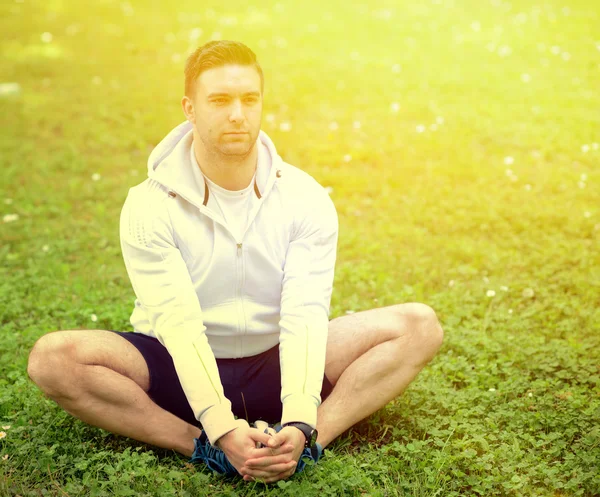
(217, 54)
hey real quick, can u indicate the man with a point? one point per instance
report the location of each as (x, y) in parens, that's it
(231, 255)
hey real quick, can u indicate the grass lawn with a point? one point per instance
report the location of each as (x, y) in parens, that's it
(461, 143)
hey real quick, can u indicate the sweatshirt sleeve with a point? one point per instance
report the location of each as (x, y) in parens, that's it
(164, 288)
(305, 300)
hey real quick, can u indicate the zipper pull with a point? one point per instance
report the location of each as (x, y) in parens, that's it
(239, 246)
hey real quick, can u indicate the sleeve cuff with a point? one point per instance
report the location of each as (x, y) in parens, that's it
(300, 408)
(217, 421)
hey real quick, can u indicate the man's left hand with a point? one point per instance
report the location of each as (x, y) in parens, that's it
(270, 469)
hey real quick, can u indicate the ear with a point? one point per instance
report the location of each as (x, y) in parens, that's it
(188, 109)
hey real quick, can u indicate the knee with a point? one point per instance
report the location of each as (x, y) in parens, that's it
(421, 321)
(49, 362)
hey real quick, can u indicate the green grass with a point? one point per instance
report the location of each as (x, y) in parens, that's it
(511, 404)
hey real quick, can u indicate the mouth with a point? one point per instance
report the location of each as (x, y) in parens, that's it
(237, 133)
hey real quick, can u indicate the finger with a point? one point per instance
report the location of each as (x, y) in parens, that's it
(280, 438)
(281, 476)
(269, 452)
(258, 436)
(270, 472)
(268, 461)
(257, 469)
(263, 427)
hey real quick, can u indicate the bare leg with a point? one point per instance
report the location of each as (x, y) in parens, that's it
(102, 379)
(372, 356)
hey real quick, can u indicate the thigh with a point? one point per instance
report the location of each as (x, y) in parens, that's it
(352, 335)
(93, 347)
(165, 388)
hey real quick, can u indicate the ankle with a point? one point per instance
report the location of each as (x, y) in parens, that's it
(187, 443)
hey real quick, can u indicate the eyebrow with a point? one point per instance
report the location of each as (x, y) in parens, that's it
(225, 94)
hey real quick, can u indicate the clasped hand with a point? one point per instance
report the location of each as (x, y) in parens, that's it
(276, 461)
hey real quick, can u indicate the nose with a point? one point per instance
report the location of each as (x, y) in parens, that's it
(236, 115)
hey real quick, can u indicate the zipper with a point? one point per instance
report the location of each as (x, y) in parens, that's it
(240, 299)
(241, 290)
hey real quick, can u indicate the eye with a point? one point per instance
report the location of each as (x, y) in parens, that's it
(251, 100)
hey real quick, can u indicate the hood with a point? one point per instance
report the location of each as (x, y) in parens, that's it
(171, 165)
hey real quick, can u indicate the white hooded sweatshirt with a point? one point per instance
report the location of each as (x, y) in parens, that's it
(205, 294)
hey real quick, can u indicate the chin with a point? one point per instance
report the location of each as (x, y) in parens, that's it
(237, 149)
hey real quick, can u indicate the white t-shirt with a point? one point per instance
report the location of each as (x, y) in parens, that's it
(235, 205)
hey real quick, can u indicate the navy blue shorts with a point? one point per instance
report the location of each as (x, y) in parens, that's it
(252, 384)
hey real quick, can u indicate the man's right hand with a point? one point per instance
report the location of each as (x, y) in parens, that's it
(239, 446)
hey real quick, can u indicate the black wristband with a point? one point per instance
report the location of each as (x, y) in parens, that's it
(310, 435)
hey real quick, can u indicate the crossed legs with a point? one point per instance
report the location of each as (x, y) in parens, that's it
(102, 379)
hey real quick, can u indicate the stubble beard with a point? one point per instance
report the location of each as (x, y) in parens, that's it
(223, 152)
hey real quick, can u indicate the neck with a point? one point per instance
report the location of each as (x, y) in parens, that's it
(231, 173)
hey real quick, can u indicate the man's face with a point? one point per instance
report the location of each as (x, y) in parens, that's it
(228, 109)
